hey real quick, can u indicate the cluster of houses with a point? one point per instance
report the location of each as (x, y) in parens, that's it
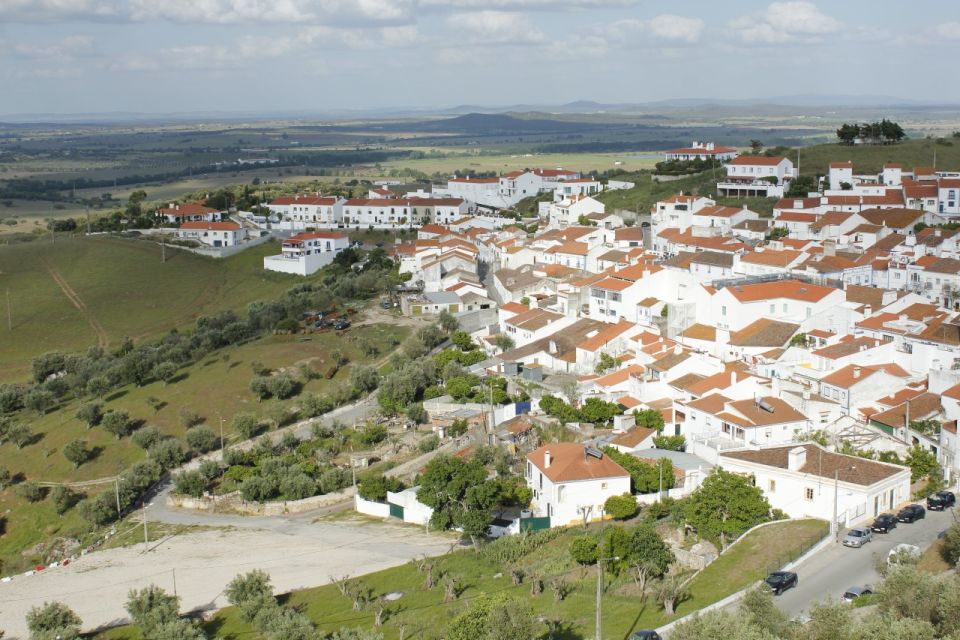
(758, 338)
(836, 319)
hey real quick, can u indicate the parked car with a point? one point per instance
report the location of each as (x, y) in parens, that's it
(780, 581)
(341, 324)
(858, 537)
(385, 303)
(884, 523)
(911, 513)
(644, 634)
(903, 551)
(853, 593)
(941, 500)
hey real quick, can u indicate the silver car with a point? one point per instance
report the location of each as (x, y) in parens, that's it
(857, 537)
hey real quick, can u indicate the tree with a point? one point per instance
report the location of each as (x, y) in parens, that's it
(98, 386)
(496, 617)
(364, 378)
(445, 485)
(374, 486)
(756, 146)
(525, 301)
(117, 422)
(30, 491)
(20, 435)
(669, 591)
(260, 386)
(53, 620)
(670, 443)
(165, 372)
(503, 342)
(645, 477)
(726, 504)
(178, 629)
(283, 386)
(63, 498)
(606, 362)
(448, 322)
(951, 544)
(146, 437)
(417, 413)
(373, 434)
(760, 610)
(584, 550)
(463, 341)
(245, 424)
(649, 419)
(250, 592)
(922, 462)
(76, 452)
(191, 483)
(5, 478)
(202, 439)
(40, 400)
(721, 624)
(151, 607)
(621, 507)
(91, 413)
(167, 453)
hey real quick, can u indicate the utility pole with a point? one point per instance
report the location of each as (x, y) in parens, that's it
(836, 493)
(88, 219)
(116, 486)
(221, 438)
(163, 248)
(9, 312)
(146, 539)
(173, 570)
(600, 562)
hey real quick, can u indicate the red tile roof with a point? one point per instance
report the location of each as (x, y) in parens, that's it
(569, 463)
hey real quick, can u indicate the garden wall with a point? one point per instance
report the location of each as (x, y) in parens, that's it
(234, 503)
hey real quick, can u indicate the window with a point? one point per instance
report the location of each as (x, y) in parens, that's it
(784, 307)
(603, 485)
(561, 490)
(771, 486)
(773, 308)
(808, 493)
(723, 310)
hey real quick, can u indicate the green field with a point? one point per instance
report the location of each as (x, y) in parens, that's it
(871, 158)
(213, 388)
(623, 612)
(124, 289)
(502, 163)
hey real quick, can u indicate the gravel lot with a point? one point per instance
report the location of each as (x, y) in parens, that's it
(297, 555)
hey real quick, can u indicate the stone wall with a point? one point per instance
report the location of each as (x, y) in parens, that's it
(234, 503)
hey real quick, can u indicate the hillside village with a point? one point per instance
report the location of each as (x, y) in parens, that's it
(781, 346)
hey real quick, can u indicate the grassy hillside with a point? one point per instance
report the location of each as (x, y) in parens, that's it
(870, 158)
(75, 292)
(217, 386)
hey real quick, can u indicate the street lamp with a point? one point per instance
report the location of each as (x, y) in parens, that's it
(600, 562)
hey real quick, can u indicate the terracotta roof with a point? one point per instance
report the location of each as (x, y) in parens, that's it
(569, 463)
(823, 463)
(475, 180)
(893, 218)
(797, 203)
(571, 248)
(628, 402)
(699, 331)
(765, 161)
(701, 151)
(533, 319)
(612, 284)
(619, 376)
(187, 209)
(764, 333)
(314, 235)
(796, 216)
(923, 406)
(849, 376)
(211, 226)
(608, 333)
(686, 381)
(514, 307)
(746, 413)
(626, 234)
(669, 361)
(792, 289)
(772, 257)
(305, 199)
(719, 211)
(633, 437)
(953, 392)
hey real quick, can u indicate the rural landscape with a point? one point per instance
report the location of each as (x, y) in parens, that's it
(602, 343)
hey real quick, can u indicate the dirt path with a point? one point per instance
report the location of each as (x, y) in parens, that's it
(296, 554)
(103, 340)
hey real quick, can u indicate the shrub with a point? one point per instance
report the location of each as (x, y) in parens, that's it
(374, 486)
(429, 443)
(202, 439)
(621, 507)
(30, 491)
(283, 386)
(417, 413)
(168, 453)
(191, 483)
(373, 434)
(117, 422)
(63, 498)
(584, 550)
(146, 437)
(245, 424)
(189, 418)
(91, 413)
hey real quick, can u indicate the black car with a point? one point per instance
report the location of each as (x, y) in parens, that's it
(644, 634)
(911, 513)
(780, 581)
(884, 523)
(941, 500)
(341, 324)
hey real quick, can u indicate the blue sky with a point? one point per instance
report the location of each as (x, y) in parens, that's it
(69, 56)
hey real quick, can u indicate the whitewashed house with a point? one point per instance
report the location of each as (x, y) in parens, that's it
(757, 176)
(571, 483)
(305, 253)
(803, 480)
(214, 234)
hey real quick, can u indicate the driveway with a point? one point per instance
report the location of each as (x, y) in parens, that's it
(297, 553)
(827, 574)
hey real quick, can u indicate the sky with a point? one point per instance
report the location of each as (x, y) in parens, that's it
(170, 56)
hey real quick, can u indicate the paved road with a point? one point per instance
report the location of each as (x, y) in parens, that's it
(829, 573)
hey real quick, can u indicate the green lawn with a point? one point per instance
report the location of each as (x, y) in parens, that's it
(427, 615)
(125, 288)
(214, 387)
(871, 158)
(647, 192)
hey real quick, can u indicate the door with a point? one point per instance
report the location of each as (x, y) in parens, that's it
(396, 510)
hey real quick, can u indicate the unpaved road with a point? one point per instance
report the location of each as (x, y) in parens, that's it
(296, 555)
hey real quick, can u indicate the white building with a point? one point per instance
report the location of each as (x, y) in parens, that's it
(394, 213)
(189, 212)
(305, 253)
(299, 212)
(214, 234)
(803, 481)
(578, 187)
(757, 176)
(701, 151)
(571, 483)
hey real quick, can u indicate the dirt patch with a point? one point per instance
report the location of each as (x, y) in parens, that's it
(103, 339)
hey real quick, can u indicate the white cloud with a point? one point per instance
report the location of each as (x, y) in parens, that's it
(783, 22)
(655, 31)
(947, 31)
(495, 27)
(63, 49)
(60, 10)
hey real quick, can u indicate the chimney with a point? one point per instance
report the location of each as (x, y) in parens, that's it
(733, 377)
(677, 350)
(856, 372)
(546, 459)
(796, 458)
